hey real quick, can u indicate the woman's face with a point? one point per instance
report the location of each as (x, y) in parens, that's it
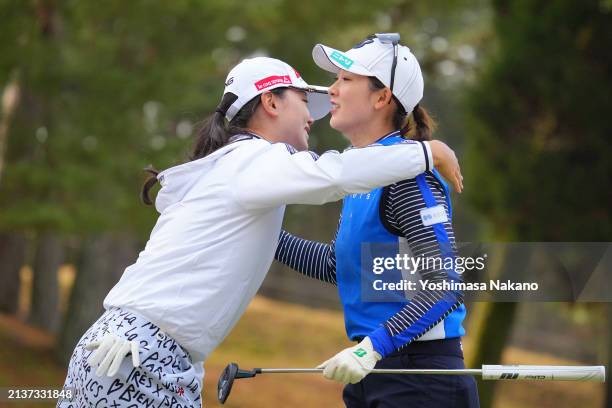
(352, 102)
(294, 118)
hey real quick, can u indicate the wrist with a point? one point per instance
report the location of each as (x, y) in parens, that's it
(382, 342)
(435, 147)
(366, 344)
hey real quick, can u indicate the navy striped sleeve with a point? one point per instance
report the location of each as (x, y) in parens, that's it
(313, 259)
(400, 213)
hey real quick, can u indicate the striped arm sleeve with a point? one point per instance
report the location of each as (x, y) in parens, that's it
(400, 213)
(313, 259)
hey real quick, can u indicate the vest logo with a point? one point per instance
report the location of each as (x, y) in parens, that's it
(272, 80)
(433, 215)
(508, 376)
(341, 59)
(229, 81)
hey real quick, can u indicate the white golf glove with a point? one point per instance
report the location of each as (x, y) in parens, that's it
(351, 364)
(110, 353)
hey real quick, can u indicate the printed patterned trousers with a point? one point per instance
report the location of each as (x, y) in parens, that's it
(166, 376)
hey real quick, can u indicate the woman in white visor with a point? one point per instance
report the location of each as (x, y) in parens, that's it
(220, 216)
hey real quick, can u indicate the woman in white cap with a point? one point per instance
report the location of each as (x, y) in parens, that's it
(375, 102)
(214, 240)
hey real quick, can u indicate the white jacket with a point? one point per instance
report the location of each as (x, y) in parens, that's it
(220, 219)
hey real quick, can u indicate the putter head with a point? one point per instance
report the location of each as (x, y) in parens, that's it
(226, 380)
(229, 374)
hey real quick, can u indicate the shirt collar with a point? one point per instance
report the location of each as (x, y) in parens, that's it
(388, 135)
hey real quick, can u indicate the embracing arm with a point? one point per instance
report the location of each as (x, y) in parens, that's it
(277, 176)
(313, 259)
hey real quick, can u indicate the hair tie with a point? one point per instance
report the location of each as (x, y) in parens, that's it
(219, 110)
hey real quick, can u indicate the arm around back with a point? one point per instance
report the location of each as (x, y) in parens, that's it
(278, 177)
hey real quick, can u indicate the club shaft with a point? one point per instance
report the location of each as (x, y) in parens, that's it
(466, 371)
(488, 372)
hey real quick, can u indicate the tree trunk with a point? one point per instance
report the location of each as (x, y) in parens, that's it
(12, 258)
(498, 319)
(49, 256)
(10, 101)
(102, 261)
(490, 344)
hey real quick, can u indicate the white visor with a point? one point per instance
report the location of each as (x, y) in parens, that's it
(319, 104)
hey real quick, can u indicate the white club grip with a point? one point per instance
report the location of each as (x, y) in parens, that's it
(544, 373)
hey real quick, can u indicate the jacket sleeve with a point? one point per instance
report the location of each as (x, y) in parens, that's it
(314, 259)
(278, 175)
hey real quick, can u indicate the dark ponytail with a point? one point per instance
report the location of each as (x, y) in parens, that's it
(214, 133)
(150, 182)
(419, 126)
(423, 125)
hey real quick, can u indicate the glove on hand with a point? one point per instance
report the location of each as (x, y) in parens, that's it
(351, 364)
(111, 351)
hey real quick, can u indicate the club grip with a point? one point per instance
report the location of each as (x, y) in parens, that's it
(544, 373)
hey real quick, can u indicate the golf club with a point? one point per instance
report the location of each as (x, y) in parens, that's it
(487, 372)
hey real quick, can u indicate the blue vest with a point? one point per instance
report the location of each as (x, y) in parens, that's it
(360, 224)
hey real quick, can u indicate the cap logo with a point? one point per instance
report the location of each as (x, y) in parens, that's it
(229, 81)
(272, 80)
(341, 59)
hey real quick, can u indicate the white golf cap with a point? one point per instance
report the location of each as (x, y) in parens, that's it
(372, 57)
(254, 76)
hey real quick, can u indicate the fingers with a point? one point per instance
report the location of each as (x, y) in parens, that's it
(93, 345)
(337, 371)
(447, 164)
(457, 181)
(342, 374)
(135, 354)
(329, 371)
(325, 363)
(107, 343)
(108, 359)
(355, 378)
(110, 353)
(119, 356)
(453, 175)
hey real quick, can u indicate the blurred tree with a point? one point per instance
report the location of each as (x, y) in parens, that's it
(537, 164)
(10, 101)
(103, 257)
(48, 257)
(12, 254)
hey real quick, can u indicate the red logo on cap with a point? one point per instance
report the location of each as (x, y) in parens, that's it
(272, 80)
